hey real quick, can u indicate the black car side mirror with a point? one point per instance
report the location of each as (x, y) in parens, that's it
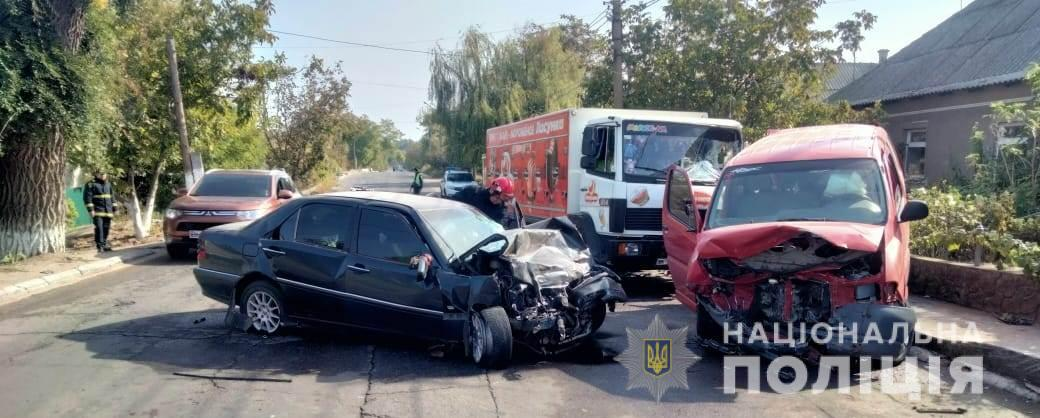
(914, 210)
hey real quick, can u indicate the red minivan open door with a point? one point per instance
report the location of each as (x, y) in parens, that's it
(679, 220)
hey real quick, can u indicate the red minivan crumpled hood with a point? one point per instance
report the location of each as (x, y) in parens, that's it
(218, 203)
(742, 241)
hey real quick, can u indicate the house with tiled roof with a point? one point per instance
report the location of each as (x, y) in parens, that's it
(942, 84)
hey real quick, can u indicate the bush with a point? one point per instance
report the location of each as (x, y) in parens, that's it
(959, 222)
(70, 214)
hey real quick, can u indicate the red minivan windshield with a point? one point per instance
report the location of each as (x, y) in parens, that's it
(815, 190)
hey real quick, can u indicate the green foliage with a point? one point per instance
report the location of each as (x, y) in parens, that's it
(48, 72)
(1016, 167)
(308, 120)
(70, 213)
(761, 63)
(373, 145)
(484, 84)
(958, 223)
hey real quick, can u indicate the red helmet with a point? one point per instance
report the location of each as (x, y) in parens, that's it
(502, 186)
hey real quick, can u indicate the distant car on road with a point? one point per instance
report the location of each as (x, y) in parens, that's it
(455, 179)
(221, 197)
(414, 265)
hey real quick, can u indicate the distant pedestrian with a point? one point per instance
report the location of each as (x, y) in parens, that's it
(99, 200)
(417, 182)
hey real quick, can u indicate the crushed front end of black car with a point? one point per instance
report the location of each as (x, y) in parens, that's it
(554, 294)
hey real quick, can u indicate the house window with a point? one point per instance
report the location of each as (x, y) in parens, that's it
(1012, 134)
(916, 144)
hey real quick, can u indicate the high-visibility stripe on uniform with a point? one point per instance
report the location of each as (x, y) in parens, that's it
(103, 215)
(90, 205)
(102, 196)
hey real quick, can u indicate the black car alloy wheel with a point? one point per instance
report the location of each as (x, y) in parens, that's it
(264, 307)
(490, 338)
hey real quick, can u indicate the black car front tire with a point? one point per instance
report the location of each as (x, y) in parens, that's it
(491, 338)
(264, 307)
(599, 315)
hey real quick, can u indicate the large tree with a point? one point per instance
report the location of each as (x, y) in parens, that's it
(759, 62)
(305, 115)
(49, 81)
(482, 84)
(214, 47)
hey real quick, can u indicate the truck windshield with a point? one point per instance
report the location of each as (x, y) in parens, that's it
(649, 148)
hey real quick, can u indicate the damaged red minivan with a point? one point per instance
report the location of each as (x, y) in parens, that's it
(803, 250)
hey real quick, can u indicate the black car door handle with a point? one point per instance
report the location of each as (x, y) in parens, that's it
(273, 251)
(359, 268)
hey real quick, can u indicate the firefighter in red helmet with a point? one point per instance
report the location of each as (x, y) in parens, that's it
(495, 201)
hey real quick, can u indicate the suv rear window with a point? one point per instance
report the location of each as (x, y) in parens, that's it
(460, 177)
(233, 185)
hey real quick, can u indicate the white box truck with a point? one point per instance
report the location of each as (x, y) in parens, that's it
(606, 169)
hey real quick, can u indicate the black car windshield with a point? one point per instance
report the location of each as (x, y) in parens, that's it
(233, 185)
(460, 177)
(649, 148)
(460, 227)
(815, 190)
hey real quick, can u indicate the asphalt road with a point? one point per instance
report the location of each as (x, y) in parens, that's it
(109, 347)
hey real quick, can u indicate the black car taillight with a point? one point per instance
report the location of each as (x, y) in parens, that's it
(200, 253)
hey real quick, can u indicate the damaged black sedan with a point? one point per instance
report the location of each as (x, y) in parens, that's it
(414, 265)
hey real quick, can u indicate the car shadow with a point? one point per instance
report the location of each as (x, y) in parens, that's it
(198, 342)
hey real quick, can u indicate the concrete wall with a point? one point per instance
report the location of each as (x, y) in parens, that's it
(1002, 293)
(948, 119)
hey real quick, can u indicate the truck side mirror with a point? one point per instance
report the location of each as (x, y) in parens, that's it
(181, 191)
(590, 144)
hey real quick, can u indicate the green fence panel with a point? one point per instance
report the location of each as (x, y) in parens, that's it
(75, 195)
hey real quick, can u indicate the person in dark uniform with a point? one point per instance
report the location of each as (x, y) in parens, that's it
(495, 201)
(99, 200)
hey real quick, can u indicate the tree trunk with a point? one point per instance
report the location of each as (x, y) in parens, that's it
(140, 231)
(143, 218)
(152, 191)
(32, 199)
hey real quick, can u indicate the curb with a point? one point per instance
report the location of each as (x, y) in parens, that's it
(46, 282)
(1023, 367)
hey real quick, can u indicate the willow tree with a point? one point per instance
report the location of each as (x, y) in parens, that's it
(484, 83)
(48, 84)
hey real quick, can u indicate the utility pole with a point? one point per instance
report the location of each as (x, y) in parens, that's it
(178, 112)
(615, 42)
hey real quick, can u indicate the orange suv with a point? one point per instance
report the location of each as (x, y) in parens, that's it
(222, 197)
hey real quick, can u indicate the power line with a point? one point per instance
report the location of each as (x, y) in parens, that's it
(387, 48)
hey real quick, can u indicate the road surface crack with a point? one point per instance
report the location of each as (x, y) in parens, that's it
(491, 391)
(368, 389)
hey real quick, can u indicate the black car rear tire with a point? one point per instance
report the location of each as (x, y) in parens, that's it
(491, 338)
(264, 307)
(177, 252)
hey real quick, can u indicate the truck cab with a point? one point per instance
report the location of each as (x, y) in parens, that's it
(606, 169)
(623, 167)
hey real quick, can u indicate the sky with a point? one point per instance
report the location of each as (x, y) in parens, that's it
(392, 84)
